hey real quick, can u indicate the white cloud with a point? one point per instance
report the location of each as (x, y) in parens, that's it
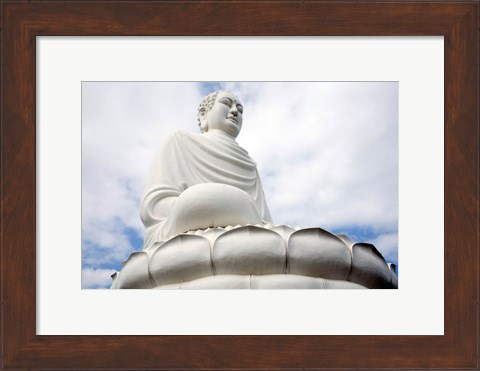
(387, 244)
(96, 278)
(327, 152)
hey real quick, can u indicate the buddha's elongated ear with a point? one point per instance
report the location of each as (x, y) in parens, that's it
(202, 115)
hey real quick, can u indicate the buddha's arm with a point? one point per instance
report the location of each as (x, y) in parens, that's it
(154, 212)
(162, 208)
(262, 203)
(156, 207)
(164, 184)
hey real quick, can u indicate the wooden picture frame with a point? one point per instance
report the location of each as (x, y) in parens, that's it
(23, 21)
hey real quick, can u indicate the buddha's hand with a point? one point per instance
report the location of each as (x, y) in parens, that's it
(211, 205)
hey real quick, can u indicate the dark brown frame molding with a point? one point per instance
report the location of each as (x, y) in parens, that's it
(22, 21)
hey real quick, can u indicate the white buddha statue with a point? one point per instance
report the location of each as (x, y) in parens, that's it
(204, 180)
(208, 225)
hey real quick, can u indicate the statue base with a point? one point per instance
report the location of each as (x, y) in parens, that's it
(257, 257)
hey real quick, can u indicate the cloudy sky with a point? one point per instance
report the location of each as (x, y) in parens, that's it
(327, 153)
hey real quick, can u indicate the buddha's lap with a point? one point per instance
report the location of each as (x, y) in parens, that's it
(211, 205)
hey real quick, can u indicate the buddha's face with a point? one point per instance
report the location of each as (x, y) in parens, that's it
(225, 115)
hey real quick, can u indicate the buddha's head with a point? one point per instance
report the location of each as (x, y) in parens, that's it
(221, 110)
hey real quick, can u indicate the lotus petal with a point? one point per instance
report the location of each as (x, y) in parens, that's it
(283, 230)
(369, 268)
(249, 250)
(317, 253)
(183, 258)
(134, 273)
(346, 240)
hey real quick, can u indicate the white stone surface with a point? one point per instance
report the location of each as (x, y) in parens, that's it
(283, 230)
(222, 282)
(369, 268)
(183, 258)
(134, 273)
(318, 253)
(249, 250)
(210, 205)
(262, 282)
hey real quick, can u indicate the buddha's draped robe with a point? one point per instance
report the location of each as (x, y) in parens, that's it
(187, 159)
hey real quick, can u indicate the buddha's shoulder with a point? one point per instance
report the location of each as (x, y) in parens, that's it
(179, 137)
(183, 135)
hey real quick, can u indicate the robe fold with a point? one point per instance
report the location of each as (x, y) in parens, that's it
(187, 159)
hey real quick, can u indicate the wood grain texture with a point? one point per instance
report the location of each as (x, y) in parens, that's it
(22, 21)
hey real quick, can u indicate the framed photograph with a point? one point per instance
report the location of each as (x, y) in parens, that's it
(430, 52)
(314, 172)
